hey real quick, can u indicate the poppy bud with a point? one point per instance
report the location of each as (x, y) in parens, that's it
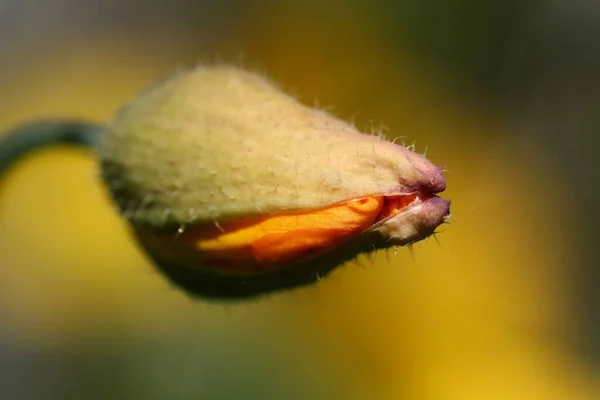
(235, 188)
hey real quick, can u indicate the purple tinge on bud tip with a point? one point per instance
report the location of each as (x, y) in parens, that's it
(433, 178)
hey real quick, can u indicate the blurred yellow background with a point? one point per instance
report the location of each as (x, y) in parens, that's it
(489, 313)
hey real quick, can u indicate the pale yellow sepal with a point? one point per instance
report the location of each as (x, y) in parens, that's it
(219, 143)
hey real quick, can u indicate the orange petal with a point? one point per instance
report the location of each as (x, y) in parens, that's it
(269, 242)
(277, 248)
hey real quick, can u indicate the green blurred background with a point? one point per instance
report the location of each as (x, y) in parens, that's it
(503, 94)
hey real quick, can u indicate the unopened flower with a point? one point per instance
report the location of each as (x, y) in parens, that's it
(235, 189)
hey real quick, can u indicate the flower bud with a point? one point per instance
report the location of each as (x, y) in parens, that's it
(235, 188)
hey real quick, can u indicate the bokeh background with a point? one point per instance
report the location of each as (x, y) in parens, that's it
(504, 94)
